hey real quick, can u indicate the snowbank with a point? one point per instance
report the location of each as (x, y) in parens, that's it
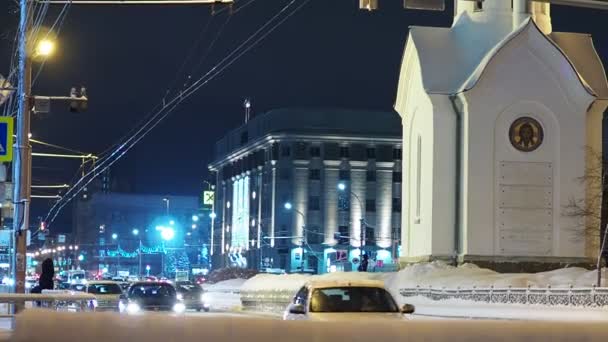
(438, 274)
(231, 285)
(94, 327)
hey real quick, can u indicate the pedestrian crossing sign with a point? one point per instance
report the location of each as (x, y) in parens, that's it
(208, 197)
(6, 138)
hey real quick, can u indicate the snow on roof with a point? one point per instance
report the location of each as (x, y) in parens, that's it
(453, 59)
(449, 56)
(580, 51)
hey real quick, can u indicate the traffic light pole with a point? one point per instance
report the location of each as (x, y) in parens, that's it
(23, 156)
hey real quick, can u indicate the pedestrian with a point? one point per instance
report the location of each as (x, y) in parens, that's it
(45, 282)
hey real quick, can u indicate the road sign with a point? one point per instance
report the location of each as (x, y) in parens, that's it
(208, 197)
(6, 138)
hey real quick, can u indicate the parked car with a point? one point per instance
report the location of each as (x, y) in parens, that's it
(150, 296)
(345, 300)
(107, 295)
(192, 295)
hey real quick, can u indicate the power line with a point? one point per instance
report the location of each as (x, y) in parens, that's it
(210, 75)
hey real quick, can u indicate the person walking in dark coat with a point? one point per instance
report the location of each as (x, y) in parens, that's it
(46, 277)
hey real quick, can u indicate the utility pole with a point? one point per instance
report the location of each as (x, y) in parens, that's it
(22, 163)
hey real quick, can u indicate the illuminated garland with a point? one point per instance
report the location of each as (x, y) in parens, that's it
(144, 250)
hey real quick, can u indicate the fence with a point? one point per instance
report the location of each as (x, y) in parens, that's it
(570, 296)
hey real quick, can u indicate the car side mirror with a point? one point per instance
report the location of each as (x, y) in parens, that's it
(297, 309)
(408, 309)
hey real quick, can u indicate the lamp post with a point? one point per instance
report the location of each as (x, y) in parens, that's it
(135, 232)
(167, 202)
(167, 234)
(342, 187)
(115, 238)
(289, 206)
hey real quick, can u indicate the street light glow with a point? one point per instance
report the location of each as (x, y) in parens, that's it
(45, 48)
(212, 215)
(172, 222)
(195, 218)
(114, 236)
(135, 231)
(341, 186)
(288, 205)
(193, 226)
(167, 233)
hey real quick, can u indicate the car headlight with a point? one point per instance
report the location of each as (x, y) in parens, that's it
(180, 296)
(132, 308)
(179, 307)
(205, 297)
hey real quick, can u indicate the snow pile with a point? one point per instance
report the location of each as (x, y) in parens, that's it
(438, 275)
(231, 285)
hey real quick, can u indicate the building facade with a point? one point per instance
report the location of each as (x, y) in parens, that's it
(295, 187)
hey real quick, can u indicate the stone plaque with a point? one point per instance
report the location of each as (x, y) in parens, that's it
(526, 173)
(525, 197)
(525, 242)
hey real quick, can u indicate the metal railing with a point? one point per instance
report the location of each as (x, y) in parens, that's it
(54, 300)
(568, 296)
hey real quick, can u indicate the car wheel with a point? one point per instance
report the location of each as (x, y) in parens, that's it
(206, 309)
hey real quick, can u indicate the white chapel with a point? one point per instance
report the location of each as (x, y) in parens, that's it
(501, 119)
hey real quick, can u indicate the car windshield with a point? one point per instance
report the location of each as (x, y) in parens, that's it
(352, 299)
(151, 290)
(104, 289)
(188, 287)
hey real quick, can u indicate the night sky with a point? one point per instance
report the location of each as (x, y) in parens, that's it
(329, 54)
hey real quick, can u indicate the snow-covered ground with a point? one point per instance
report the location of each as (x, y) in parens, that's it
(225, 295)
(440, 275)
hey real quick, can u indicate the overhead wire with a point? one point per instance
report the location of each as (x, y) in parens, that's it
(161, 104)
(231, 58)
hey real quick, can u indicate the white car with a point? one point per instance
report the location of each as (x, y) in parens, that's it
(345, 300)
(107, 294)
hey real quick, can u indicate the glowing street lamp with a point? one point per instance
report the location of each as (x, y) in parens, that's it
(44, 48)
(213, 215)
(288, 205)
(167, 233)
(114, 236)
(194, 218)
(135, 231)
(341, 186)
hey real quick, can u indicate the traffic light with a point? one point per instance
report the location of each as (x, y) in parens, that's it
(80, 101)
(42, 226)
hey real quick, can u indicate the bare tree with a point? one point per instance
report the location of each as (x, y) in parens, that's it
(590, 212)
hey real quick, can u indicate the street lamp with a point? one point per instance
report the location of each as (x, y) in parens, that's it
(342, 187)
(135, 231)
(114, 236)
(289, 206)
(194, 218)
(212, 216)
(167, 233)
(166, 200)
(44, 48)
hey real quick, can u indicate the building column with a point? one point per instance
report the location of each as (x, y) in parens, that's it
(273, 203)
(330, 186)
(384, 203)
(300, 200)
(358, 181)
